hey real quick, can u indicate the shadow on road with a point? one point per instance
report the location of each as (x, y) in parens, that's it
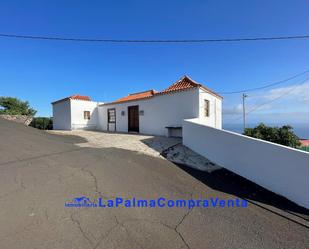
(228, 182)
(231, 183)
(71, 139)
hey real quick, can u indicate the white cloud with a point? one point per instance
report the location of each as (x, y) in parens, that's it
(282, 103)
(298, 93)
(231, 110)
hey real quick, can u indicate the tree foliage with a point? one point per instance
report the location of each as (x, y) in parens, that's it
(14, 106)
(281, 135)
(42, 123)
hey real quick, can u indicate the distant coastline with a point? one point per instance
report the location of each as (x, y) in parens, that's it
(301, 130)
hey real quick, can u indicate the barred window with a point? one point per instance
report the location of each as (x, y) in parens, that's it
(86, 114)
(206, 108)
(111, 115)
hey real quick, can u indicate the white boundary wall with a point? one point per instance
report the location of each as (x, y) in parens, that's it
(278, 168)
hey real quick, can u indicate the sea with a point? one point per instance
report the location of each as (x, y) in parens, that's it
(301, 130)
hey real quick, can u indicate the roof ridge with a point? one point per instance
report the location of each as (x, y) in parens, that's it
(182, 84)
(150, 90)
(75, 97)
(182, 78)
(78, 96)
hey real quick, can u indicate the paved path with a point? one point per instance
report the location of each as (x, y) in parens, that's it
(172, 148)
(39, 172)
(144, 144)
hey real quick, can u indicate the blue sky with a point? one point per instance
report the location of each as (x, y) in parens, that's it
(43, 71)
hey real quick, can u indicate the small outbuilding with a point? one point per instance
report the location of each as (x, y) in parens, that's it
(75, 112)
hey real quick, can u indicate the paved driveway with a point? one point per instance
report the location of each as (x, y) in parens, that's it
(149, 145)
(156, 146)
(39, 172)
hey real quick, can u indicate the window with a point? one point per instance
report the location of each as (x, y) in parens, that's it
(86, 114)
(111, 115)
(206, 108)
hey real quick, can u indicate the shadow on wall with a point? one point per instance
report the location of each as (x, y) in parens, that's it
(228, 182)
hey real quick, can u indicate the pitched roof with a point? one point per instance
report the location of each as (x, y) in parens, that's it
(186, 83)
(136, 96)
(183, 84)
(76, 96)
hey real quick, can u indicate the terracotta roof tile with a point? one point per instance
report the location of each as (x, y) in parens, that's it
(182, 84)
(76, 96)
(304, 142)
(136, 96)
(80, 97)
(186, 83)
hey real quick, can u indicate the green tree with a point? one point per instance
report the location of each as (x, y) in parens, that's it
(14, 106)
(281, 135)
(42, 123)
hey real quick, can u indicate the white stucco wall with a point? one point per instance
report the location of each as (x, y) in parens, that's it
(62, 115)
(159, 111)
(278, 168)
(77, 114)
(215, 109)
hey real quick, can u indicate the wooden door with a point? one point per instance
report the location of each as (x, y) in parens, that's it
(133, 118)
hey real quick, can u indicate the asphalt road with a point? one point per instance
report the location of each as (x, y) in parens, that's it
(39, 172)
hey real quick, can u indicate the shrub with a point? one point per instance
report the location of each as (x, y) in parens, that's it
(281, 135)
(42, 123)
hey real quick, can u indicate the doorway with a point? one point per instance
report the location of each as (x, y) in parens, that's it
(133, 119)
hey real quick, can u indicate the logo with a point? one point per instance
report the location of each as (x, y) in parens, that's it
(82, 201)
(85, 202)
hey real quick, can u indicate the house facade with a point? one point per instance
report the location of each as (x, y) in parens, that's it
(75, 112)
(149, 112)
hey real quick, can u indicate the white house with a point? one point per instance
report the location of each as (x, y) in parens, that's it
(75, 112)
(148, 112)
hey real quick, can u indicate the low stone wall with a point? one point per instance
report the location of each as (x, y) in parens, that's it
(23, 119)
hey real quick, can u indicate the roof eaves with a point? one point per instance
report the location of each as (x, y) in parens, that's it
(210, 91)
(175, 90)
(148, 97)
(60, 100)
(200, 85)
(125, 101)
(75, 97)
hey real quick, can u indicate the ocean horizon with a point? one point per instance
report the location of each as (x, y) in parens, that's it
(301, 130)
